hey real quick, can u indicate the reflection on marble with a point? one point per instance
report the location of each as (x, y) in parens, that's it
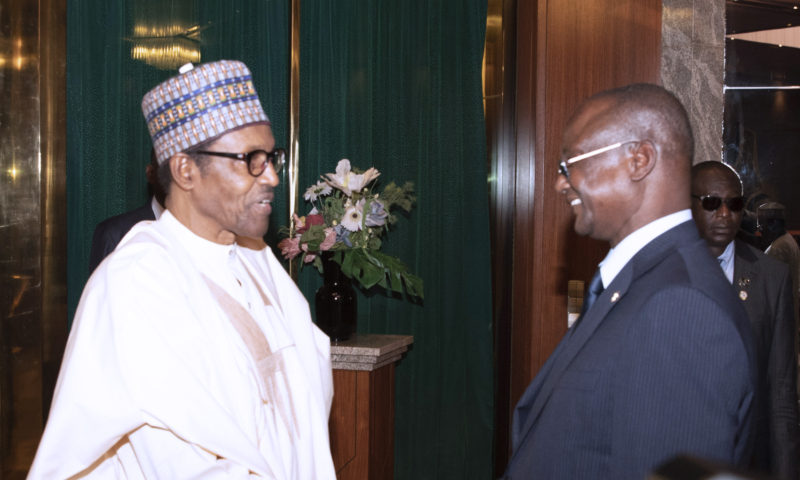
(693, 39)
(369, 352)
(32, 222)
(20, 245)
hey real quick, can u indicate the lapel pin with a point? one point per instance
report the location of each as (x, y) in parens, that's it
(614, 297)
(744, 282)
(743, 295)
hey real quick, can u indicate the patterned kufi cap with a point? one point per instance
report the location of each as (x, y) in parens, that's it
(199, 105)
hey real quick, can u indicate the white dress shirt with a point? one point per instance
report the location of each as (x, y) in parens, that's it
(620, 255)
(726, 261)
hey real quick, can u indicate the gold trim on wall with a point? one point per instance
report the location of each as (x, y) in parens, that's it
(294, 123)
(53, 134)
(32, 221)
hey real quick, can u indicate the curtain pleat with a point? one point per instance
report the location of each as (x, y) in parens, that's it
(397, 85)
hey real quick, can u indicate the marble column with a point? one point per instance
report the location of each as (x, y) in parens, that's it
(693, 67)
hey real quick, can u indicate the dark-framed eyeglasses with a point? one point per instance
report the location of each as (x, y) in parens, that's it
(562, 166)
(712, 202)
(256, 160)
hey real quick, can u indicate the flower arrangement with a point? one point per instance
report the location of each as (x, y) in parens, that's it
(348, 219)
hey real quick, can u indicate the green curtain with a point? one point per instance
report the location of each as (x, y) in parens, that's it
(390, 84)
(397, 85)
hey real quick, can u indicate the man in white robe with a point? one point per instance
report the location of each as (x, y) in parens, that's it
(192, 356)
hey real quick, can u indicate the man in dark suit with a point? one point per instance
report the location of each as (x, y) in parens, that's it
(110, 231)
(661, 361)
(764, 287)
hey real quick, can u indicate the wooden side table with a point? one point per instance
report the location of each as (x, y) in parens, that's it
(361, 424)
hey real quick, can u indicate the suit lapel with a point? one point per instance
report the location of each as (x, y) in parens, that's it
(744, 273)
(573, 341)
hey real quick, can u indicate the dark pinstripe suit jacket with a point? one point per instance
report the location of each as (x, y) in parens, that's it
(764, 287)
(663, 363)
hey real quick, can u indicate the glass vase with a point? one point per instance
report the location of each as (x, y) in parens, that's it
(335, 302)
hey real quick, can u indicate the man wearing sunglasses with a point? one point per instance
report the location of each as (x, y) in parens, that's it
(661, 360)
(764, 287)
(191, 355)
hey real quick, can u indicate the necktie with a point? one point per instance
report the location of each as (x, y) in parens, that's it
(594, 291)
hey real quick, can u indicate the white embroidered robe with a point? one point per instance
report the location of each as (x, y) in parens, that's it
(157, 383)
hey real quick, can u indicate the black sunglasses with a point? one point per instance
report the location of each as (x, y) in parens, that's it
(256, 160)
(713, 202)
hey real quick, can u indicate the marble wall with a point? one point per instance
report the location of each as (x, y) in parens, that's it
(693, 66)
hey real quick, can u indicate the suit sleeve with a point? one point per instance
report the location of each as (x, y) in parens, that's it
(782, 378)
(688, 386)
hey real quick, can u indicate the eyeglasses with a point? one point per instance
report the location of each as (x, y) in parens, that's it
(712, 202)
(562, 166)
(256, 160)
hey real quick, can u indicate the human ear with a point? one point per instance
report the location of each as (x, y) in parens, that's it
(642, 160)
(184, 170)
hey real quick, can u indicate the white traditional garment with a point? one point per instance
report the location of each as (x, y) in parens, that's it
(156, 382)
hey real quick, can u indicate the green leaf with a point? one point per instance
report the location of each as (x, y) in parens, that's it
(314, 236)
(396, 281)
(374, 243)
(414, 285)
(333, 211)
(357, 265)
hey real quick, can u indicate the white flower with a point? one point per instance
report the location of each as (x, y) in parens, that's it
(347, 181)
(352, 217)
(315, 191)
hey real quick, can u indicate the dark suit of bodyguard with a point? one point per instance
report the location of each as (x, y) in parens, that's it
(763, 286)
(765, 289)
(662, 363)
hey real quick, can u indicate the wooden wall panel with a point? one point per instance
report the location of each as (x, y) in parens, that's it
(566, 51)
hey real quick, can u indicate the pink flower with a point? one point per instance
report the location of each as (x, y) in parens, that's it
(330, 239)
(302, 224)
(309, 256)
(299, 224)
(290, 247)
(315, 219)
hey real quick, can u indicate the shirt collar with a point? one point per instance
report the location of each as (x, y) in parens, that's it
(620, 255)
(208, 256)
(726, 261)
